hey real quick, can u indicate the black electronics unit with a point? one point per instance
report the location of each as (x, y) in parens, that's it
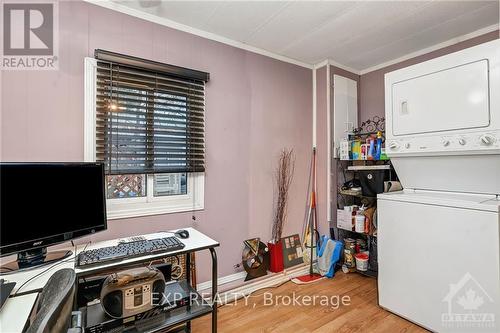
(176, 296)
(166, 270)
(63, 201)
(89, 289)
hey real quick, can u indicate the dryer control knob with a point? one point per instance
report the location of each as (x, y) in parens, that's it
(487, 139)
(446, 142)
(462, 142)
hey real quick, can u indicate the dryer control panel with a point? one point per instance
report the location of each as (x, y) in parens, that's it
(474, 143)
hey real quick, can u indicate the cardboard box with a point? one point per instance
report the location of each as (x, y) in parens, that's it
(344, 219)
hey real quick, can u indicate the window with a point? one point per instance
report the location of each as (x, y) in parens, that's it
(145, 121)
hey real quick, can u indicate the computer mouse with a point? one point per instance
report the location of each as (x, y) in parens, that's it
(182, 233)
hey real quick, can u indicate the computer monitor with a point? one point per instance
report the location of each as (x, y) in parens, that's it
(43, 204)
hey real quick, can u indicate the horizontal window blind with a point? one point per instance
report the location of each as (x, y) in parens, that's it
(149, 119)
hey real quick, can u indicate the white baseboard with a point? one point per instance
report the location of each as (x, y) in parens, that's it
(221, 281)
(269, 280)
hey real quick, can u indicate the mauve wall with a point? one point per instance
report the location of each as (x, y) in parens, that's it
(255, 106)
(372, 84)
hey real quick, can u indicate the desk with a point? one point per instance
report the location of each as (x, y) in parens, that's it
(15, 313)
(37, 283)
(19, 306)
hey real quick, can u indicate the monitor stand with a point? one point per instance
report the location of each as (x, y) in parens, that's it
(33, 259)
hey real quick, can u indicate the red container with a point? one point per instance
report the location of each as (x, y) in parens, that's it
(276, 257)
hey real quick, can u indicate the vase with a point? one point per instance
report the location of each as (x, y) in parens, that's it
(275, 256)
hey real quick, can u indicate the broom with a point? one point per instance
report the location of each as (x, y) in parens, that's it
(311, 230)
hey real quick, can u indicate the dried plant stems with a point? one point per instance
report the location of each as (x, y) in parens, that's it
(284, 176)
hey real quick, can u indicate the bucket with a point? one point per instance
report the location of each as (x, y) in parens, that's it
(361, 261)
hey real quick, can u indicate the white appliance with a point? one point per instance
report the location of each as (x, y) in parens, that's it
(439, 239)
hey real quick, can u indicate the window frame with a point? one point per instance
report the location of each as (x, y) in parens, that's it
(141, 206)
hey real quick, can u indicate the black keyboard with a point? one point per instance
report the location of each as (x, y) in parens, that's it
(128, 250)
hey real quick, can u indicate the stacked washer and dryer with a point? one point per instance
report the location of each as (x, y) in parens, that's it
(439, 239)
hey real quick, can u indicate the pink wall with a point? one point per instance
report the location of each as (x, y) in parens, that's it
(255, 106)
(372, 84)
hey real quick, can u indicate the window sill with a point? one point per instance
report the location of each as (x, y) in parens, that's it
(123, 211)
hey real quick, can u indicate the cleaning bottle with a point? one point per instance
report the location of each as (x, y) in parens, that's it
(371, 150)
(378, 146)
(359, 225)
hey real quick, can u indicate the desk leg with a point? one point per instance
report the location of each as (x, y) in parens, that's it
(188, 280)
(188, 268)
(75, 296)
(214, 290)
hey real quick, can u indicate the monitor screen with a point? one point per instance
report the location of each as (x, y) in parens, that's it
(42, 204)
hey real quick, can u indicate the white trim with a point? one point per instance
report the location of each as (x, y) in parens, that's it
(143, 206)
(89, 105)
(1, 115)
(314, 111)
(432, 48)
(344, 67)
(182, 27)
(322, 63)
(329, 147)
(269, 280)
(240, 276)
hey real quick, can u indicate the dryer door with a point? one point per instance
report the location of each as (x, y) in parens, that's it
(455, 98)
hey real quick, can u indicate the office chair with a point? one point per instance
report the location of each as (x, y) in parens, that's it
(53, 313)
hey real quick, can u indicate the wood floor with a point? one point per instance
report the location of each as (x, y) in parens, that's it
(362, 315)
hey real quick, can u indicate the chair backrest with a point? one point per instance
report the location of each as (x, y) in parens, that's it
(53, 313)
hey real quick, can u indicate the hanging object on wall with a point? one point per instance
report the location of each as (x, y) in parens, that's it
(255, 258)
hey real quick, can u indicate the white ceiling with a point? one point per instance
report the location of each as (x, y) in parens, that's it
(355, 34)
